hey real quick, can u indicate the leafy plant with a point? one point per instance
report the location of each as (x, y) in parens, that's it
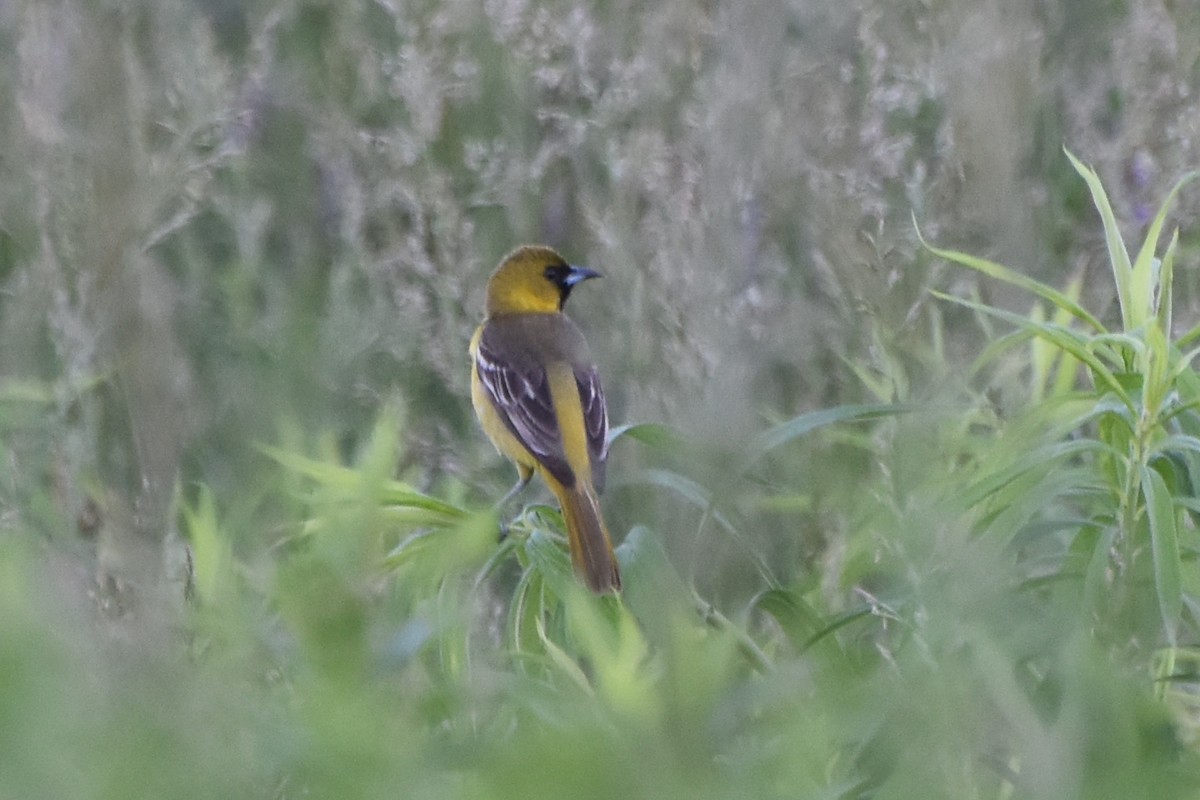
(1105, 477)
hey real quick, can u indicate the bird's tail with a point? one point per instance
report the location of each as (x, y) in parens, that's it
(591, 546)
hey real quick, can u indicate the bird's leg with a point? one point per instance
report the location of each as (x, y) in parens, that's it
(522, 482)
(524, 476)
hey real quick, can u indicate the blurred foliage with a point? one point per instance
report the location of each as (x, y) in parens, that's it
(895, 520)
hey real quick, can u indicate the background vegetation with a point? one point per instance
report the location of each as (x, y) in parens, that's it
(896, 522)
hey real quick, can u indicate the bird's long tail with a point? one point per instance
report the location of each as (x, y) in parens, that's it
(591, 546)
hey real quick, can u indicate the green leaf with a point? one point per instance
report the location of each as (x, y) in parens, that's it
(212, 555)
(1036, 461)
(1022, 501)
(1134, 299)
(1192, 335)
(1166, 283)
(1098, 578)
(354, 481)
(685, 487)
(1065, 338)
(1176, 442)
(653, 434)
(1003, 273)
(997, 346)
(560, 659)
(1143, 265)
(796, 427)
(1164, 544)
(842, 620)
(441, 552)
(1156, 381)
(1184, 364)
(653, 590)
(704, 500)
(1064, 376)
(798, 620)
(548, 556)
(524, 612)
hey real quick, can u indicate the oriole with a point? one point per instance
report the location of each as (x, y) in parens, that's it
(538, 397)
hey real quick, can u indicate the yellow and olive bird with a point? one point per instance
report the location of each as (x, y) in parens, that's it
(538, 397)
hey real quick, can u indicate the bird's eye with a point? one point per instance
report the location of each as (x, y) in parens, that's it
(554, 274)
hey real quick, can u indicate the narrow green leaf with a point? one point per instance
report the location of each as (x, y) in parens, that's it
(839, 622)
(1143, 265)
(1098, 577)
(687, 488)
(796, 427)
(1066, 368)
(1184, 363)
(1065, 338)
(1022, 501)
(700, 497)
(548, 555)
(713, 618)
(1192, 335)
(212, 554)
(505, 551)
(1009, 276)
(1190, 503)
(447, 550)
(1118, 347)
(413, 515)
(798, 620)
(648, 433)
(654, 592)
(1176, 442)
(1183, 410)
(997, 347)
(1155, 376)
(565, 664)
(1166, 283)
(350, 480)
(1134, 301)
(880, 386)
(1037, 461)
(1164, 545)
(522, 613)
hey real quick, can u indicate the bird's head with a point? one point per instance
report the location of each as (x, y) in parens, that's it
(533, 279)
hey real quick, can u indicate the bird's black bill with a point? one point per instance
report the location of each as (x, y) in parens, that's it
(565, 277)
(576, 275)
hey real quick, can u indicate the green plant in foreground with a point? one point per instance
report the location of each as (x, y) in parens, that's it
(1117, 459)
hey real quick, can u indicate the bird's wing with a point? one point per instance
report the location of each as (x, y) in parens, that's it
(595, 420)
(520, 392)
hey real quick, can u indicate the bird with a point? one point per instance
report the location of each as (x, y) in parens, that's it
(538, 397)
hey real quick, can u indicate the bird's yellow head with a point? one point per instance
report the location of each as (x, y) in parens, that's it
(533, 279)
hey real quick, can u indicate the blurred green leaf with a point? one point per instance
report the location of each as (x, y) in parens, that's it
(798, 620)
(405, 503)
(435, 554)
(652, 588)
(212, 556)
(1003, 273)
(1064, 338)
(1164, 545)
(648, 433)
(799, 426)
